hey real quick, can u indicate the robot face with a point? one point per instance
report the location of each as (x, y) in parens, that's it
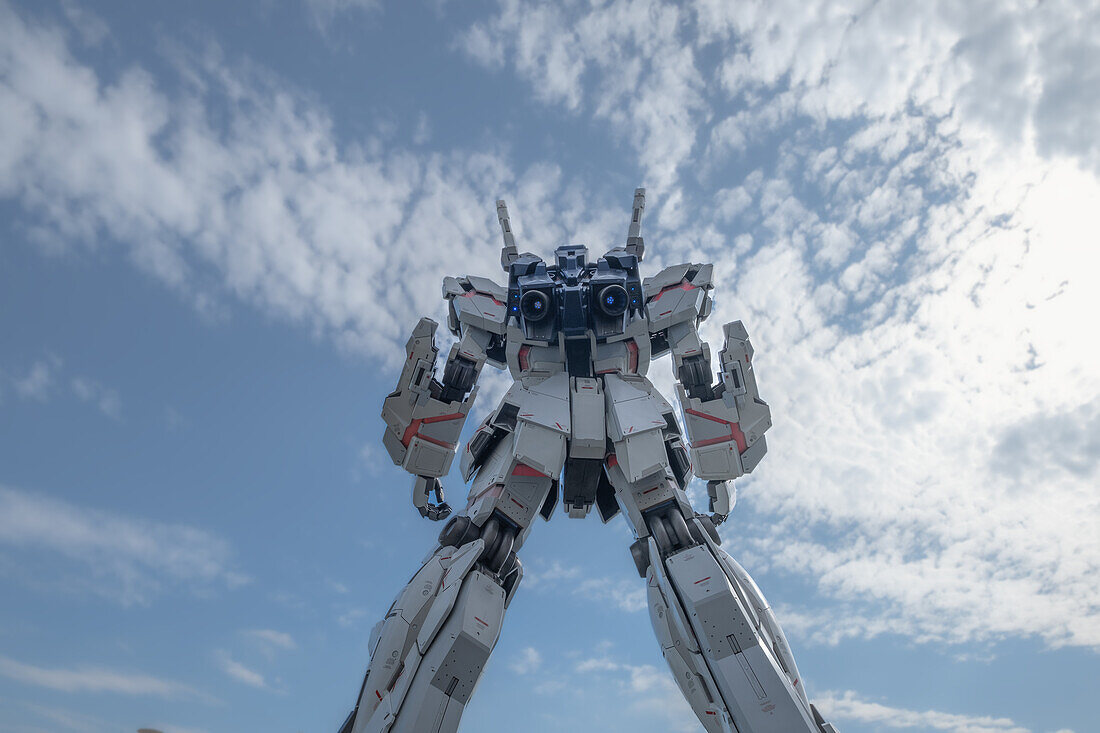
(571, 260)
(573, 296)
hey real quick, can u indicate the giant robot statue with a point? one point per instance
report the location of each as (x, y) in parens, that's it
(582, 421)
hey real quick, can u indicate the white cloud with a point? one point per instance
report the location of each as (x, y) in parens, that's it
(949, 498)
(92, 679)
(423, 132)
(848, 706)
(528, 661)
(627, 594)
(38, 381)
(539, 576)
(625, 61)
(93, 30)
(241, 673)
(352, 616)
(122, 557)
(266, 203)
(1008, 67)
(272, 639)
(642, 689)
(106, 399)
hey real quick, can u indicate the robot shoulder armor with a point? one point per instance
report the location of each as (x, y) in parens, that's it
(474, 301)
(677, 294)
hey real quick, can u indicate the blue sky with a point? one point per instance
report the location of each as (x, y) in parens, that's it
(219, 222)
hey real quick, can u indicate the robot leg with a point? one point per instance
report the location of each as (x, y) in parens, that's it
(428, 653)
(719, 636)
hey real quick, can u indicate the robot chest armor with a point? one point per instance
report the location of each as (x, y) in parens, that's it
(627, 353)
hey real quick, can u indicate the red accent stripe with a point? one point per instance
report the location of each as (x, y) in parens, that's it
(472, 293)
(632, 361)
(521, 506)
(376, 692)
(410, 432)
(648, 491)
(682, 285)
(444, 418)
(522, 469)
(437, 441)
(473, 498)
(414, 429)
(482, 622)
(524, 350)
(736, 434)
(701, 580)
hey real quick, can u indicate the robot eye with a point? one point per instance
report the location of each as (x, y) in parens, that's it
(613, 300)
(534, 305)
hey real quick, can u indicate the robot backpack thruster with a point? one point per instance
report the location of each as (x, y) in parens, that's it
(583, 422)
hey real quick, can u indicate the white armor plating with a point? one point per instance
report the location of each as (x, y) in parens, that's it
(583, 423)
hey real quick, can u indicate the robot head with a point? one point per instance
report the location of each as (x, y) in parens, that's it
(572, 259)
(573, 296)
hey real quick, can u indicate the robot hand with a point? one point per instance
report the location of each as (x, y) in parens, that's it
(723, 498)
(424, 485)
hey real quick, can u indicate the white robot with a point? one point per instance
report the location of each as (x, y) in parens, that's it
(582, 421)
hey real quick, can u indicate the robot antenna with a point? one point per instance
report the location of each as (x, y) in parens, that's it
(634, 243)
(508, 252)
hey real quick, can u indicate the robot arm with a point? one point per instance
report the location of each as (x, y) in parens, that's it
(725, 422)
(424, 416)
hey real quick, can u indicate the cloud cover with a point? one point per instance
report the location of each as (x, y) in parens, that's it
(93, 679)
(906, 229)
(913, 263)
(124, 558)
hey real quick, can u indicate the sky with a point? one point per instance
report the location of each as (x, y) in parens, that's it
(220, 221)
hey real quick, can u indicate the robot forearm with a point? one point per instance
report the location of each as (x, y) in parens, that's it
(725, 422)
(424, 417)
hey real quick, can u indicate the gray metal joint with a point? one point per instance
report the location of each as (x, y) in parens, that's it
(459, 376)
(671, 530)
(694, 374)
(500, 537)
